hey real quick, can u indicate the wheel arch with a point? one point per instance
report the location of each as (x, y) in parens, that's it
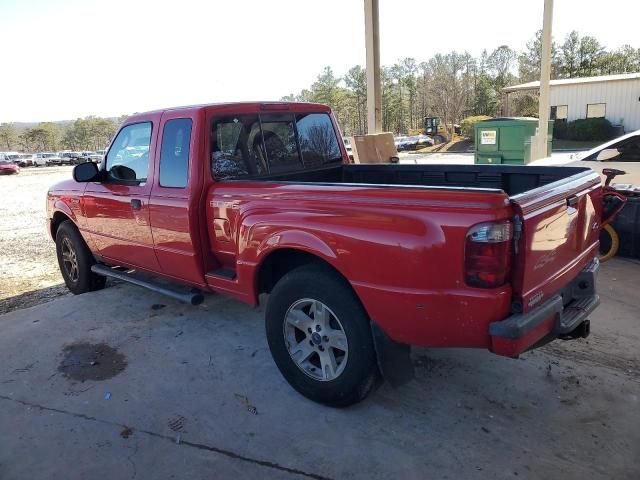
(56, 220)
(279, 261)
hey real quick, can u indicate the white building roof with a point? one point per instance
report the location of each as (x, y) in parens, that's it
(573, 81)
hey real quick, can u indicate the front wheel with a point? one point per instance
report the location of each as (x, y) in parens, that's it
(320, 338)
(75, 260)
(609, 243)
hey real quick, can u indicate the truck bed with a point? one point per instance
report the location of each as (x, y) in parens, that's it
(556, 209)
(513, 180)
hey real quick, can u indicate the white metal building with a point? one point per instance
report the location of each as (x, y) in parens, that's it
(615, 97)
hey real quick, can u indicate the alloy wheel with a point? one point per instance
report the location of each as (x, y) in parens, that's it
(315, 339)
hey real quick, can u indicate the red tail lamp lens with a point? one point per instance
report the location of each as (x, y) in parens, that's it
(487, 255)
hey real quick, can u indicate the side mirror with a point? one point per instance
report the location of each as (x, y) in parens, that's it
(608, 154)
(86, 172)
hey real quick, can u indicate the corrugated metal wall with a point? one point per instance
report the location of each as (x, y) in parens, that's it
(622, 98)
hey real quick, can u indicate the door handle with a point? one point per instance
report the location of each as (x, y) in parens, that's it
(136, 204)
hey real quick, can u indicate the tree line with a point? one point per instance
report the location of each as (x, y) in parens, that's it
(90, 133)
(456, 85)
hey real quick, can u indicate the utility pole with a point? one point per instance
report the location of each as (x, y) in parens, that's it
(372, 43)
(539, 140)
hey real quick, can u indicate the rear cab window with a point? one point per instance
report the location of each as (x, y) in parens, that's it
(261, 144)
(318, 140)
(174, 154)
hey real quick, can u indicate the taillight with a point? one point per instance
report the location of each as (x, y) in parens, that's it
(487, 254)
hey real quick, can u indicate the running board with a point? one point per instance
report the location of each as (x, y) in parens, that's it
(226, 273)
(190, 298)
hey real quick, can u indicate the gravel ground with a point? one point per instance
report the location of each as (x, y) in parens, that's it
(28, 267)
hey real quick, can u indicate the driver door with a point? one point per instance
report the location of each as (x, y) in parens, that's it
(117, 208)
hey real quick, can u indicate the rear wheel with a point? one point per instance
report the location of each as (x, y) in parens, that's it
(320, 338)
(75, 260)
(609, 243)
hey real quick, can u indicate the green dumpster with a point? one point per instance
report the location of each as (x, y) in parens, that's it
(507, 140)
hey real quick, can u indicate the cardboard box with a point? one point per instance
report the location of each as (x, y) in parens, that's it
(374, 148)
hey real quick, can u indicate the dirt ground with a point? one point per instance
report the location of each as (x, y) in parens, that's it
(28, 267)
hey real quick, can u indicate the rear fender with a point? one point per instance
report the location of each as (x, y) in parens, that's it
(299, 240)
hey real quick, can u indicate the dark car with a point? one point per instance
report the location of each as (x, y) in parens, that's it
(71, 158)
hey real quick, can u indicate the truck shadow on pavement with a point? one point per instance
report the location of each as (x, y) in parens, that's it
(33, 297)
(39, 296)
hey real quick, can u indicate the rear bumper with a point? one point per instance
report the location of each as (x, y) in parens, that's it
(560, 316)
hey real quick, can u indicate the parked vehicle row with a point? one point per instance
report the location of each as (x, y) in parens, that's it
(41, 159)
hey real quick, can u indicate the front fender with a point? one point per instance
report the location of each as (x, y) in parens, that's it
(61, 207)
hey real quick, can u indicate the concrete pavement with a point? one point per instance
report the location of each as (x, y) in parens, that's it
(200, 397)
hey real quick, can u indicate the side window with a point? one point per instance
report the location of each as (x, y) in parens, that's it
(128, 157)
(174, 156)
(559, 112)
(280, 147)
(235, 147)
(596, 110)
(318, 140)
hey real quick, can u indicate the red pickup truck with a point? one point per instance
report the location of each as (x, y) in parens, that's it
(359, 260)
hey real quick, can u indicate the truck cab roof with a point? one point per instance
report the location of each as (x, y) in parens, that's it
(238, 108)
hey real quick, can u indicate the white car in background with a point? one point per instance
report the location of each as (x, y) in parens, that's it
(622, 153)
(9, 155)
(43, 159)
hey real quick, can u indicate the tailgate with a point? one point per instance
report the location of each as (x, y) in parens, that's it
(560, 225)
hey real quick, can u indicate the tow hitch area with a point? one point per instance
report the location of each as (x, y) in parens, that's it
(581, 331)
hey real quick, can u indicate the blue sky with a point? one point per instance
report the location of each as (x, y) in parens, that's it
(63, 59)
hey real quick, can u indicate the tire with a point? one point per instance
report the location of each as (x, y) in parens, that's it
(75, 260)
(299, 296)
(609, 243)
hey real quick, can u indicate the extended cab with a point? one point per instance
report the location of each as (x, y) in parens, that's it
(360, 260)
